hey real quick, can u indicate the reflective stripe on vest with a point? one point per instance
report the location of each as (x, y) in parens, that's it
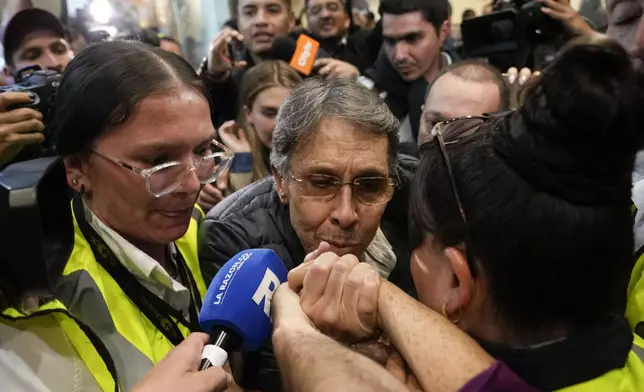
(639, 351)
(634, 210)
(635, 295)
(630, 378)
(90, 349)
(93, 296)
(635, 291)
(198, 214)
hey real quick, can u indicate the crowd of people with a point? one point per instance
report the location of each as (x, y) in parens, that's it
(495, 245)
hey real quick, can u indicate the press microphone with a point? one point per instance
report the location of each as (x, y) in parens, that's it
(236, 309)
(300, 54)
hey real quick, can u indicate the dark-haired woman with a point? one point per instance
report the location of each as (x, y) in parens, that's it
(523, 236)
(132, 123)
(528, 244)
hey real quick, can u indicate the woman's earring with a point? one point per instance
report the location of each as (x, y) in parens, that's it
(455, 321)
(82, 190)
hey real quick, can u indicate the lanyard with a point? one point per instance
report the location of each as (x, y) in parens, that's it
(154, 308)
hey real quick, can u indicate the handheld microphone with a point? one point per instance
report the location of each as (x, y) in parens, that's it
(300, 54)
(236, 309)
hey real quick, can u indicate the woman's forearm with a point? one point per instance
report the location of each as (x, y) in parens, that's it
(442, 357)
(310, 362)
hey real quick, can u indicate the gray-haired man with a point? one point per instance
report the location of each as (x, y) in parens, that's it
(336, 178)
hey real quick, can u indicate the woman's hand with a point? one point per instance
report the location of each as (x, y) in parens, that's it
(235, 140)
(213, 193)
(179, 371)
(19, 127)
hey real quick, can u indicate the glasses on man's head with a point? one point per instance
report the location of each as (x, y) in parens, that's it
(450, 132)
(168, 177)
(366, 190)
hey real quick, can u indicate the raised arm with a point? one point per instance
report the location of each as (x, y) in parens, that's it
(311, 361)
(338, 294)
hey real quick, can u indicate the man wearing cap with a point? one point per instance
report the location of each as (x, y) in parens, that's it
(36, 37)
(32, 37)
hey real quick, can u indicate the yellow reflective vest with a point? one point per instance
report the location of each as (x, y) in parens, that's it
(635, 291)
(630, 378)
(94, 297)
(635, 295)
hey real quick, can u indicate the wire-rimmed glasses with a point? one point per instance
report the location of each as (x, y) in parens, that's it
(167, 177)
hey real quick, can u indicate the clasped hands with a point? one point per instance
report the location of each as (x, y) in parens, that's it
(338, 295)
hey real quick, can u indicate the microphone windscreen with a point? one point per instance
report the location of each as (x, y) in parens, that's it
(239, 297)
(306, 52)
(283, 48)
(300, 54)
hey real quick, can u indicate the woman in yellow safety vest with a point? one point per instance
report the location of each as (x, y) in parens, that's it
(523, 224)
(133, 125)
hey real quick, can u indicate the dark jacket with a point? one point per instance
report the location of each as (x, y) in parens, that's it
(359, 47)
(403, 98)
(254, 217)
(224, 94)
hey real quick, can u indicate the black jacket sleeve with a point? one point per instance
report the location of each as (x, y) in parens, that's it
(223, 96)
(388, 81)
(218, 243)
(374, 40)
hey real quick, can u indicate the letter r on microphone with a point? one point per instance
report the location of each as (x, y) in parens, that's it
(265, 290)
(305, 53)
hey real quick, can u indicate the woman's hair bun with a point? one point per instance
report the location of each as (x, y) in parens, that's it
(589, 100)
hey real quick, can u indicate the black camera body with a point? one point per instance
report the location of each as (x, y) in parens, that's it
(517, 34)
(36, 226)
(43, 83)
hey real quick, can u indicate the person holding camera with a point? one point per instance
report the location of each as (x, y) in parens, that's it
(33, 37)
(19, 128)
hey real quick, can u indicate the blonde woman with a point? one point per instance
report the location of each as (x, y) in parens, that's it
(263, 90)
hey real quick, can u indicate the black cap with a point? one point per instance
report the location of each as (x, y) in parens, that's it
(26, 22)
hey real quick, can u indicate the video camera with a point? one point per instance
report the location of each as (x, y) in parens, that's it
(517, 34)
(36, 226)
(43, 83)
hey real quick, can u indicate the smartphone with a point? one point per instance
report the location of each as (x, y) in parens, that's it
(236, 51)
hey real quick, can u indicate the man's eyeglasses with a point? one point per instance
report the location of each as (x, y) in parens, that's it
(451, 132)
(366, 190)
(168, 177)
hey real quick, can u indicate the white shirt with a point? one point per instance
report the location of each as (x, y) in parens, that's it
(144, 268)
